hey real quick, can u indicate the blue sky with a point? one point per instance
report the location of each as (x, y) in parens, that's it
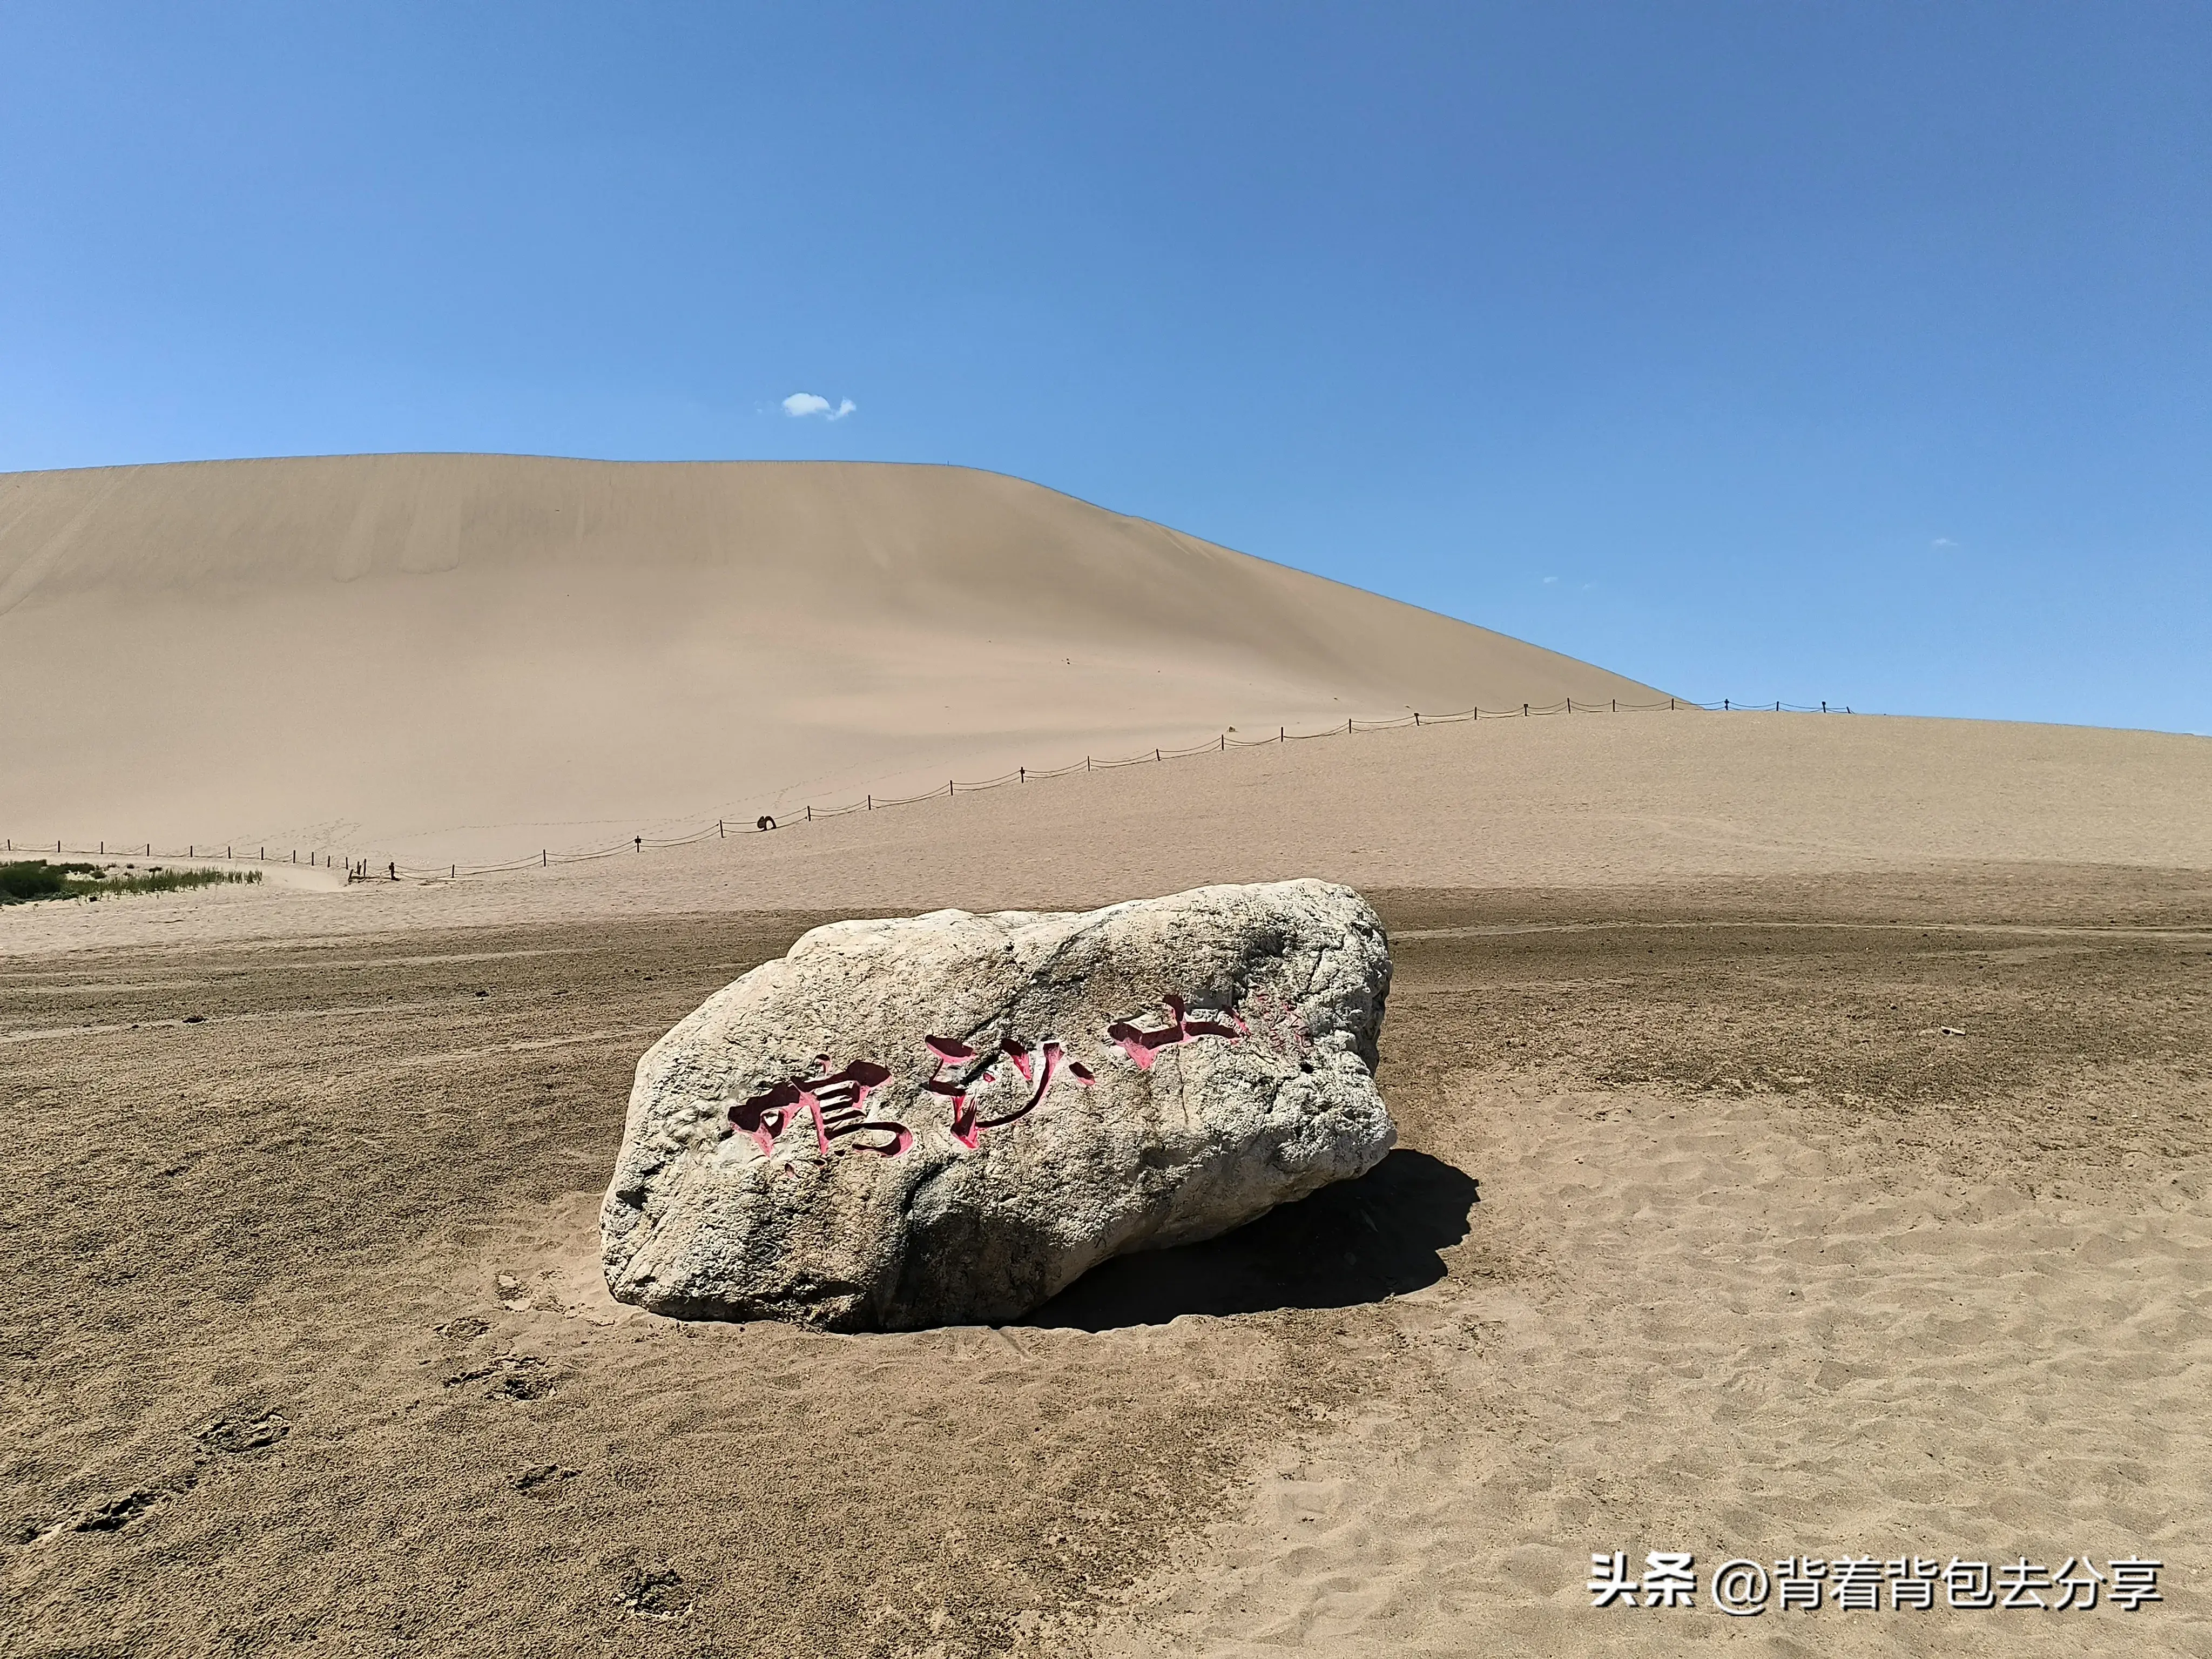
(1855, 351)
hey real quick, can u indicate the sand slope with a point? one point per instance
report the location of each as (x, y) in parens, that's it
(1595, 801)
(442, 656)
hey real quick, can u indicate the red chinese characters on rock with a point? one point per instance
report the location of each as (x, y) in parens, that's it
(838, 1104)
(1145, 1046)
(968, 1123)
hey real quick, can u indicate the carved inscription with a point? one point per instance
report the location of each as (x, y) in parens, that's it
(975, 1072)
(974, 1082)
(1144, 1045)
(838, 1105)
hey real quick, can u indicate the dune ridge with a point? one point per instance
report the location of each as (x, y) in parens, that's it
(457, 655)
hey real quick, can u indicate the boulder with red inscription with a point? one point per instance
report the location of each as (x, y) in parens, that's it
(947, 1119)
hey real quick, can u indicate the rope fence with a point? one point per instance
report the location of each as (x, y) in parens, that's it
(371, 869)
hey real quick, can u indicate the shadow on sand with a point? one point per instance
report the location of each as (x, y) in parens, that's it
(1356, 1242)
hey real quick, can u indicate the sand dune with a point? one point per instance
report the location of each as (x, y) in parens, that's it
(442, 656)
(1592, 801)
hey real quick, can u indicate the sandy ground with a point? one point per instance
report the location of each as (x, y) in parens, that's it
(1598, 799)
(1764, 1264)
(1799, 1183)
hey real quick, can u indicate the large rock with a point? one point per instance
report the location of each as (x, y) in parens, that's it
(949, 1119)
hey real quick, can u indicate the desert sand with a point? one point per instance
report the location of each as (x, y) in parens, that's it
(1806, 1128)
(1586, 800)
(433, 658)
(1806, 1125)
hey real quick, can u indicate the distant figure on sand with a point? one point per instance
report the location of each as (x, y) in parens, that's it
(764, 822)
(392, 871)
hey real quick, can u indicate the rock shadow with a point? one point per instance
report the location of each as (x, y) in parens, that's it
(1356, 1241)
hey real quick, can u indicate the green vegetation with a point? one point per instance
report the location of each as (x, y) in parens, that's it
(37, 879)
(30, 879)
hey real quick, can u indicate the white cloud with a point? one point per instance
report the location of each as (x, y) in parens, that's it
(1548, 580)
(802, 404)
(1942, 541)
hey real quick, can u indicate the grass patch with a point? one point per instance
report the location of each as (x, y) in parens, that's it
(31, 880)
